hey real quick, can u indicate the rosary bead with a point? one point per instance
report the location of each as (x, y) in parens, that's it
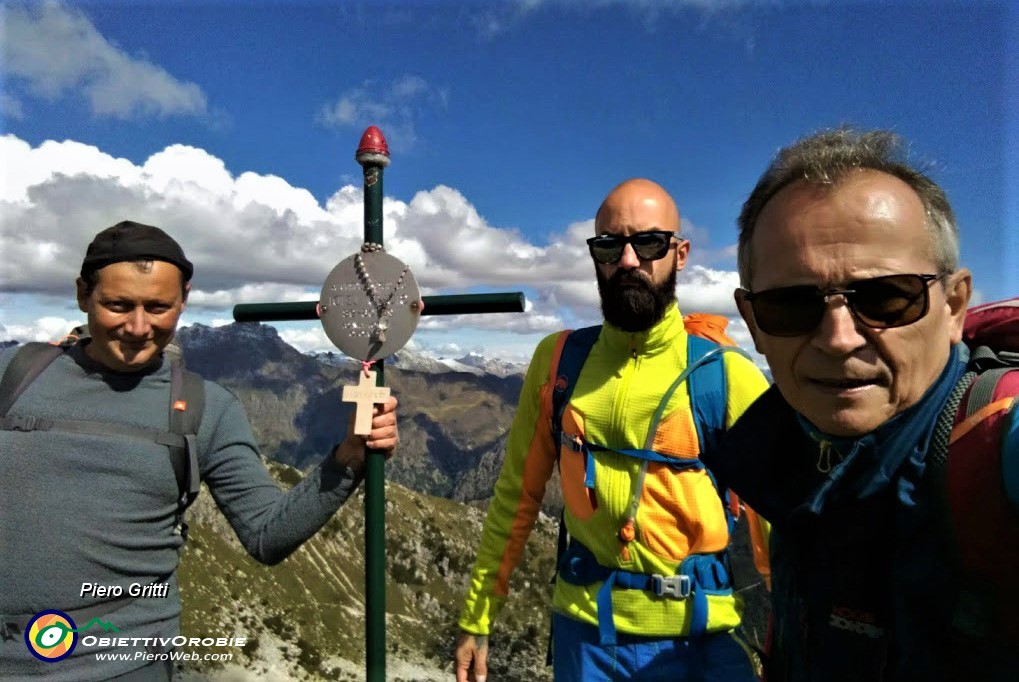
(382, 309)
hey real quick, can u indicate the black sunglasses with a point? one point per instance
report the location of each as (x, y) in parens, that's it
(651, 245)
(879, 302)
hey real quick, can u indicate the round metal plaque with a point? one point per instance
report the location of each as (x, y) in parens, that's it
(370, 305)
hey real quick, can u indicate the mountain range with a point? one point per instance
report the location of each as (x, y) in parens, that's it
(449, 420)
(454, 417)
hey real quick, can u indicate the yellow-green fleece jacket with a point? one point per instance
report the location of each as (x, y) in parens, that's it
(617, 393)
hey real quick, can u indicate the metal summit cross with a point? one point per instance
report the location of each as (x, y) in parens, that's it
(369, 319)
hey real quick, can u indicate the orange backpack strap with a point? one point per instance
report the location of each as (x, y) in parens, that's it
(760, 537)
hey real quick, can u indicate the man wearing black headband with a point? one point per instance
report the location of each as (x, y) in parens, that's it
(90, 477)
(852, 289)
(136, 261)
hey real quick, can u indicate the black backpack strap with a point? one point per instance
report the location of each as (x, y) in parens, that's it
(983, 358)
(937, 454)
(27, 364)
(982, 393)
(936, 475)
(187, 403)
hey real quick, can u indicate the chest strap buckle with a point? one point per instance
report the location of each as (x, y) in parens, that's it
(674, 586)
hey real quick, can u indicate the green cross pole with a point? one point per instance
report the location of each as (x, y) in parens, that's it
(373, 155)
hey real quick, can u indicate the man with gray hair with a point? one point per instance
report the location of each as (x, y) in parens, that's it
(852, 290)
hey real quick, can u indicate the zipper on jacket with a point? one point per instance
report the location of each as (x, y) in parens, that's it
(825, 450)
(620, 400)
(627, 533)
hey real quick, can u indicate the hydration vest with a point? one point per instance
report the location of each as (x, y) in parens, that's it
(700, 574)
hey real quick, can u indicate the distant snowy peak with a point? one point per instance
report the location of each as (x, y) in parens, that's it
(199, 338)
(495, 366)
(333, 359)
(404, 359)
(473, 363)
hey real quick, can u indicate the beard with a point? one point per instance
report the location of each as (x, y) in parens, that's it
(632, 302)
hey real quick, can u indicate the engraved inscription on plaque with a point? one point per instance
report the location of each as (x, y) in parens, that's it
(370, 305)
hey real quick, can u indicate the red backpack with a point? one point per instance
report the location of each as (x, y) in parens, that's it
(974, 460)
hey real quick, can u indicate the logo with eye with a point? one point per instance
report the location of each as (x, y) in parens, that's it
(51, 636)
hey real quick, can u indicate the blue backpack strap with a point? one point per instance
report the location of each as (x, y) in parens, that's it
(708, 391)
(699, 576)
(709, 397)
(574, 353)
(571, 359)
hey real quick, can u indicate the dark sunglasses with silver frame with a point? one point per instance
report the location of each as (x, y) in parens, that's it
(648, 245)
(882, 302)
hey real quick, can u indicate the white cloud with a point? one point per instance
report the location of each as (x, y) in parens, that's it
(706, 290)
(394, 107)
(257, 238)
(250, 293)
(738, 332)
(527, 323)
(491, 19)
(308, 340)
(54, 49)
(43, 329)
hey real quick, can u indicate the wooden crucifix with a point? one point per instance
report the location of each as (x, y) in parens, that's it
(369, 332)
(365, 396)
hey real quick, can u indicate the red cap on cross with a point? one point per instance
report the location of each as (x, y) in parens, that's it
(373, 142)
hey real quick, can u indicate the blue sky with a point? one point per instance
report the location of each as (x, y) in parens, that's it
(233, 126)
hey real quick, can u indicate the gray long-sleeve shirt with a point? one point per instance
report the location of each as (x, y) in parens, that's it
(80, 509)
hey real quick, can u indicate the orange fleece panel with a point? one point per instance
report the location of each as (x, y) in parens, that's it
(537, 470)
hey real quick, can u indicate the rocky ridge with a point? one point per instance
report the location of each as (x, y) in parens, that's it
(305, 617)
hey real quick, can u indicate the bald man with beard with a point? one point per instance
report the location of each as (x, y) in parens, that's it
(642, 591)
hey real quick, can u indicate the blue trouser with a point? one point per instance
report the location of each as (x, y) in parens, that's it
(578, 657)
